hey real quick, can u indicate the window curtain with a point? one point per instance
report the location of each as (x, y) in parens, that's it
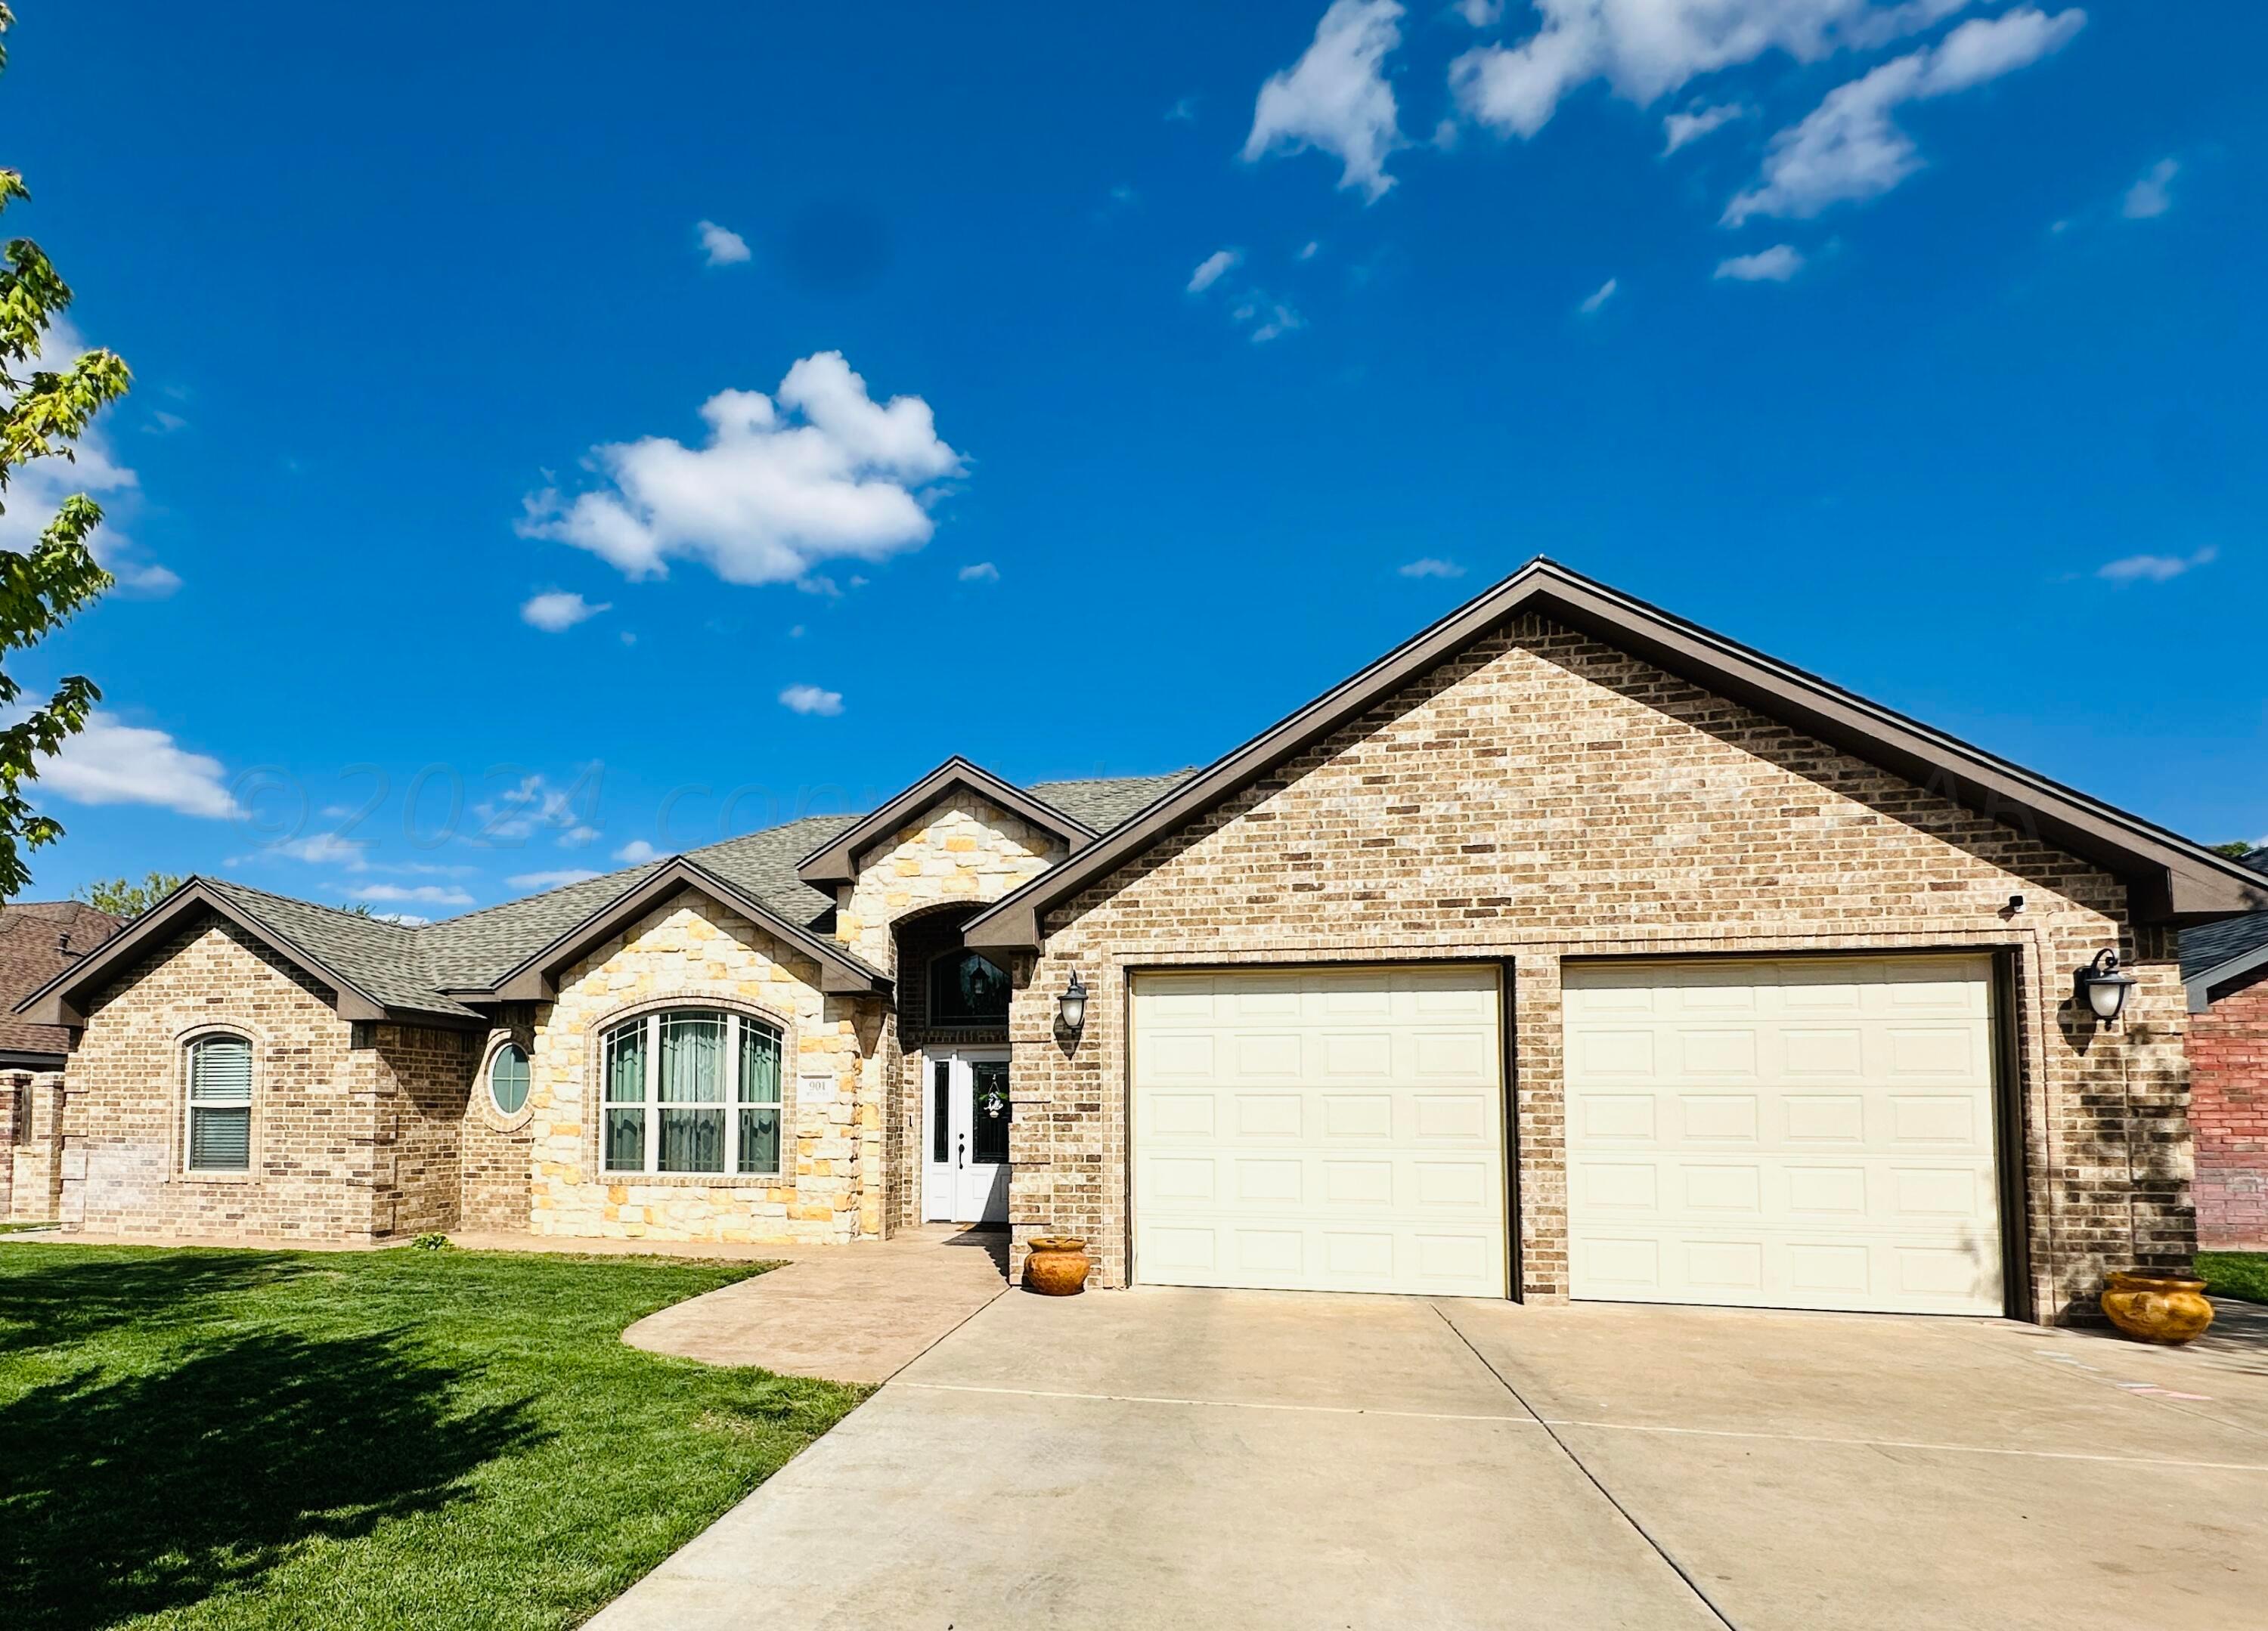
(220, 1104)
(625, 1130)
(692, 1073)
(760, 1099)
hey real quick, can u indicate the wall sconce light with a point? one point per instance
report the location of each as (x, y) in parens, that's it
(2103, 985)
(1071, 1007)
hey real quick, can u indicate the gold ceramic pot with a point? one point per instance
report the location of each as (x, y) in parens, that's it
(2157, 1308)
(1058, 1265)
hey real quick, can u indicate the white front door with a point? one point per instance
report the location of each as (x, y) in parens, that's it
(965, 1164)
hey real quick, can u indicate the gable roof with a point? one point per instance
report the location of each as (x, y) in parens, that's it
(434, 973)
(2169, 879)
(531, 979)
(2216, 953)
(837, 860)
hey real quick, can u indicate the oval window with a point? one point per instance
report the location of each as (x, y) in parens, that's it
(508, 1078)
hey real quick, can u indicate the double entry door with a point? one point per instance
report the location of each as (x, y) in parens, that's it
(965, 1166)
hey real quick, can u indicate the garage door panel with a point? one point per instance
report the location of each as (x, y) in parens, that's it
(1375, 1164)
(1855, 1171)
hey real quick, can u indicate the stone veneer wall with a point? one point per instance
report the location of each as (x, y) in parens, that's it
(314, 1117)
(962, 849)
(2229, 1068)
(693, 951)
(1544, 795)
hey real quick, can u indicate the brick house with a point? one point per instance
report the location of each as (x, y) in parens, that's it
(39, 939)
(2224, 967)
(1569, 949)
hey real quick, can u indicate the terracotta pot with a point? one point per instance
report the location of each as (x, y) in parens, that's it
(2157, 1308)
(1058, 1265)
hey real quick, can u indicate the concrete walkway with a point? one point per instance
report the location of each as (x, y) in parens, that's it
(1169, 1458)
(856, 1313)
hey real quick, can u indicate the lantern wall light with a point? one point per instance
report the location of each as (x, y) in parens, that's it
(2103, 985)
(1071, 1007)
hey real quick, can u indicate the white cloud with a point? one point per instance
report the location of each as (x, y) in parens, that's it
(556, 610)
(2152, 195)
(1849, 148)
(113, 763)
(1775, 265)
(1599, 297)
(1431, 566)
(1335, 98)
(407, 920)
(326, 850)
(765, 500)
(37, 490)
(529, 804)
(1212, 268)
(1679, 129)
(412, 894)
(1307, 251)
(1182, 111)
(980, 572)
(162, 423)
(722, 245)
(2154, 569)
(1647, 48)
(575, 837)
(1480, 13)
(551, 880)
(1271, 320)
(811, 699)
(636, 852)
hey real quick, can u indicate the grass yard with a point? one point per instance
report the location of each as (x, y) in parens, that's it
(2236, 1274)
(400, 1438)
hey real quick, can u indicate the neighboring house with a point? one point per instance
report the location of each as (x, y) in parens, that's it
(1567, 950)
(2225, 965)
(39, 939)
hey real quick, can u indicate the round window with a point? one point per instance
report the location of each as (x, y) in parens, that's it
(508, 1078)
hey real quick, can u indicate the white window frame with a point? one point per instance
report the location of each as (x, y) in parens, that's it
(191, 1103)
(732, 1103)
(488, 1079)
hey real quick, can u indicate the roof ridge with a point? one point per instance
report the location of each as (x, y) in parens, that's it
(345, 914)
(556, 889)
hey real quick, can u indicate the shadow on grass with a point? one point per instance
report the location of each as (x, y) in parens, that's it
(156, 1491)
(51, 1305)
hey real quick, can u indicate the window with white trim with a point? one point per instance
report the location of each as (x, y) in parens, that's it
(691, 1090)
(220, 1104)
(508, 1078)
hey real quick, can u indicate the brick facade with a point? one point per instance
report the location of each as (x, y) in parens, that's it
(1544, 795)
(321, 1161)
(2228, 1069)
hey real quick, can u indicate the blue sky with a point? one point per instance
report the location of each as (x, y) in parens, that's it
(1235, 343)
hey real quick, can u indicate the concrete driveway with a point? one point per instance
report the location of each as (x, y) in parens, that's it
(1178, 1459)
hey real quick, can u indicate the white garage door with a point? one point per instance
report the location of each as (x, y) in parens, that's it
(1803, 1133)
(1320, 1129)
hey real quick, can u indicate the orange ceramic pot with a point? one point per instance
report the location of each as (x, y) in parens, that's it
(1058, 1265)
(2157, 1308)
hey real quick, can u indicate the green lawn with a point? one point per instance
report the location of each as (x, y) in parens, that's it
(2236, 1274)
(373, 1439)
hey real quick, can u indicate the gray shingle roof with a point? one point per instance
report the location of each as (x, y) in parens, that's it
(2206, 948)
(415, 967)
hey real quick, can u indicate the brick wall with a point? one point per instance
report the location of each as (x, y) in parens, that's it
(495, 1157)
(31, 1146)
(1544, 794)
(314, 1119)
(2228, 1070)
(423, 1078)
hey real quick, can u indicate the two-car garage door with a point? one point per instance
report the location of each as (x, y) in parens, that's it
(1794, 1133)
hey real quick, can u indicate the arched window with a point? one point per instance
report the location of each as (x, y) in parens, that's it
(220, 1104)
(966, 989)
(691, 1090)
(508, 1078)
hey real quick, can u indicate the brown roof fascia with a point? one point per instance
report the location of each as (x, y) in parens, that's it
(2171, 880)
(532, 979)
(835, 861)
(56, 1002)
